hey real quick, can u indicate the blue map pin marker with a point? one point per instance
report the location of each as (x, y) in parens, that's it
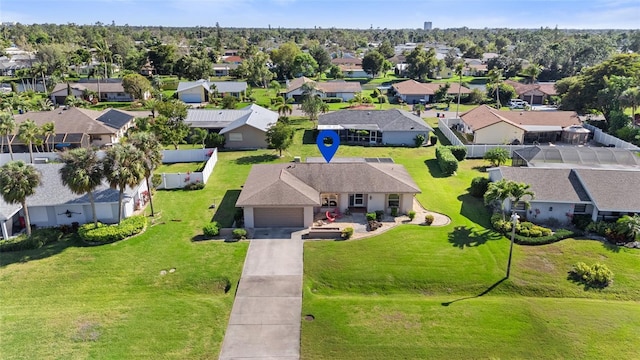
(328, 150)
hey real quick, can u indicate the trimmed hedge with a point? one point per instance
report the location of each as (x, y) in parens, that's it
(558, 235)
(332, 100)
(38, 239)
(110, 233)
(211, 229)
(479, 186)
(459, 151)
(528, 233)
(447, 162)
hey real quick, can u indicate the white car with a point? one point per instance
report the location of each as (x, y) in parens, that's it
(518, 104)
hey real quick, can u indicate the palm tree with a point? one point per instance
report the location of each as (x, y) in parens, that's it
(40, 69)
(497, 192)
(152, 105)
(7, 126)
(459, 70)
(495, 77)
(151, 148)
(631, 98)
(45, 104)
(284, 109)
(518, 191)
(49, 131)
(29, 133)
(82, 173)
(533, 71)
(102, 50)
(17, 182)
(123, 166)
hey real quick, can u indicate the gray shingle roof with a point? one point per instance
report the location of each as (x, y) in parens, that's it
(256, 116)
(555, 185)
(229, 86)
(385, 120)
(300, 184)
(115, 118)
(228, 120)
(612, 190)
(73, 121)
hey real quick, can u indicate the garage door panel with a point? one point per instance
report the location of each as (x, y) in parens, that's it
(278, 217)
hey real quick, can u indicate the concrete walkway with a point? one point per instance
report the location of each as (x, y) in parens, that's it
(266, 314)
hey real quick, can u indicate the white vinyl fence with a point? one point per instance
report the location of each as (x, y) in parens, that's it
(606, 139)
(180, 180)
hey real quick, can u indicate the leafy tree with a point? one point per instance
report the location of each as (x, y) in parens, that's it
(386, 49)
(199, 136)
(169, 127)
(82, 173)
(7, 126)
(17, 182)
(505, 92)
(136, 85)
(335, 72)
(372, 63)
(229, 102)
(148, 144)
(532, 72)
(322, 58)
(256, 70)
(304, 65)
(123, 166)
(275, 86)
(215, 140)
(312, 106)
(283, 58)
(421, 63)
(280, 136)
(630, 98)
(618, 120)
(29, 132)
(629, 225)
(442, 92)
(497, 156)
(163, 57)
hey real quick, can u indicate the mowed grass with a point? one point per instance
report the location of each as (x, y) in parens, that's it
(69, 301)
(180, 167)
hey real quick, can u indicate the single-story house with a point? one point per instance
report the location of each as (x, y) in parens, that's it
(413, 92)
(243, 129)
(347, 61)
(575, 157)
(353, 71)
(491, 126)
(534, 94)
(346, 90)
(108, 90)
(53, 204)
(232, 59)
(76, 127)
(604, 194)
(377, 127)
(199, 91)
(288, 195)
(223, 69)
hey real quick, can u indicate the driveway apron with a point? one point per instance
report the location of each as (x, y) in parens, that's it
(265, 318)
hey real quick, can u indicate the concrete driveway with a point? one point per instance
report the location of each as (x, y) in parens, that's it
(265, 319)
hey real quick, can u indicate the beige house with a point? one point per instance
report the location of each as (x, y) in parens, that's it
(346, 90)
(289, 195)
(486, 125)
(413, 92)
(534, 94)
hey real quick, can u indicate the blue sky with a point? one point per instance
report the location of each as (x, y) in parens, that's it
(362, 14)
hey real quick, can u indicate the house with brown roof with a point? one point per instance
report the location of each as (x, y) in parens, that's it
(534, 94)
(107, 90)
(288, 195)
(413, 92)
(562, 193)
(486, 125)
(352, 71)
(346, 90)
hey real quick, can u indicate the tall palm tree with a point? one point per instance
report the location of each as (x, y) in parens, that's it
(102, 50)
(517, 192)
(151, 148)
(82, 173)
(459, 70)
(152, 105)
(631, 98)
(532, 72)
(7, 126)
(284, 109)
(49, 132)
(17, 182)
(29, 132)
(495, 77)
(497, 192)
(123, 166)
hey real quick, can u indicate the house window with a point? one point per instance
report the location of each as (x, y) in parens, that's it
(235, 136)
(579, 208)
(519, 206)
(393, 200)
(329, 200)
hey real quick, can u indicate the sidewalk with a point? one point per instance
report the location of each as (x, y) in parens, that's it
(265, 319)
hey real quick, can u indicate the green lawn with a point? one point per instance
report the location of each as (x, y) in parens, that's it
(180, 167)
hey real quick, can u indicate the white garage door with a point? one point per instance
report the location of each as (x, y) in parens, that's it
(190, 98)
(278, 217)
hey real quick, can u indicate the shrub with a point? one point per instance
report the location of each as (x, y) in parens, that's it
(110, 233)
(211, 229)
(379, 215)
(394, 211)
(332, 100)
(479, 186)
(419, 140)
(535, 233)
(239, 234)
(411, 214)
(38, 239)
(459, 151)
(447, 162)
(581, 221)
(542, 240)
(428, 219)
(194, 186)
(497, 156)
(371, 216)
(215, 140)
(433, 140)
(596, 275)
(347, 233)
(524, 232)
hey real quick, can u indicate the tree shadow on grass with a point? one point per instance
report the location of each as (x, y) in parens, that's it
(24, 256)
(485, 292)
(256, 159)
(464, 237)
(442, 140)
(226, 209)
(481, 168)
(474, 209)
(434, 168)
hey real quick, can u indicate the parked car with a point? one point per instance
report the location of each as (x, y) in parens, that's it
(518, 104)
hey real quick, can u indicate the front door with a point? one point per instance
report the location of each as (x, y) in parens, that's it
(356, 200)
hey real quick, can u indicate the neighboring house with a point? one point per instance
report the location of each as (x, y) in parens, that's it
(223, 69)
(534, 94)
(413, 92)
(108, 90)
(486, 125)
(243, 129)
(575, 157)
(233, 59)
(147, 69)
(77, 127)
(604, 194)
(199, 91)
(289, 195)
(353, 71)
(474, 67)
(376, 127)
(347, 61)
(53, 204)
(346, 90)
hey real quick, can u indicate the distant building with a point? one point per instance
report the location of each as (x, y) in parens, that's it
(428, 25)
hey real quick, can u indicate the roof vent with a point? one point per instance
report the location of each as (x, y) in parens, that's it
(368, 112)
